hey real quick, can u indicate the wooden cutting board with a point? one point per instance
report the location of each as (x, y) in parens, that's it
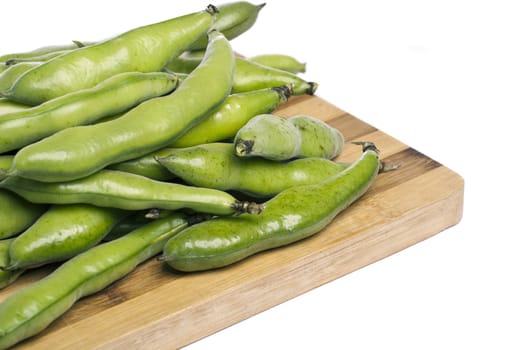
(156, 308)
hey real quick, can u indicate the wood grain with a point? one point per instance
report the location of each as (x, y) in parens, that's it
(156, 308)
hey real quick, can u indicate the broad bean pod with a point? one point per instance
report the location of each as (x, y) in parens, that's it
(79, 151)
(280, 61)
(236, 110)
(218, 167)
(62, 232)
(251, 76)
(7, 277)
(114, 95)
(12, 73)
(278, 138)
(30, 310)
(117, 189)
(233, 19)
(222, 123)
(16, 213)
(37, 59)
(143, 49)
(292, 215)
(43, 50)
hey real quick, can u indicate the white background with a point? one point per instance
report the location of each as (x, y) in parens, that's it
(445, 77)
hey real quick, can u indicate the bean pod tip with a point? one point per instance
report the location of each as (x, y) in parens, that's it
(243, 147)
(212, 9)
(312, 88)
(253, 208)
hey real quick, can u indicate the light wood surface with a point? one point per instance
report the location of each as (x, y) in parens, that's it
(156, 308)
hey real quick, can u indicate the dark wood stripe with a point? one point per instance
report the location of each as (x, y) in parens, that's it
(411, 164)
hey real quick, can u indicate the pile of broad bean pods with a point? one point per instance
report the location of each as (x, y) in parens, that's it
(160, 140)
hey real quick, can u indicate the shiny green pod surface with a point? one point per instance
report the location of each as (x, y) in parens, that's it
(114, 95)
(30, 310)
(217, 167)
(80, 151)
(143, 49)
(62, 232)
(117, 189)
(7, 277)
(16, 213)
(292, 215)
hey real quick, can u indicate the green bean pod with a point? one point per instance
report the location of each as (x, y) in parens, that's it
(37, 58)
(114, 95)
(30, 310)
(292, 215)
(8, 106)
(280, 61)
(134, 221)
(224, 122)
(146, 166)
(12, 73)
(16, 214)
(318, 139)
(3, 66)
(233, 19)
(212, 167)
(251, 76)
(79, 151)
(143, 49)
(277, 138)
(62, 232)
(268, 136)
(7, 277)
(43, 51)
(117, 189)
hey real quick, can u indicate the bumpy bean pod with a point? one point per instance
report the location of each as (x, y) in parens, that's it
(251, 76)
(280, 61)
(117, 189)
(268, 136)
(221, 124)
(217, 167)
(277, 138)
(114, 95)
(224, 122)
(233, 19)
(12, 73)
(60, 233)
(7, 277)
(79, 151)
(16, 213)
(143, 49)
(293, 214)
(30, 310)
